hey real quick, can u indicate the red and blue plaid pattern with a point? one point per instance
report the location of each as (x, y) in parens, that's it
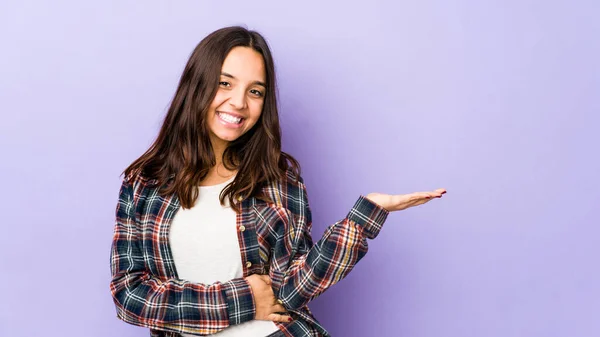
(275, 240)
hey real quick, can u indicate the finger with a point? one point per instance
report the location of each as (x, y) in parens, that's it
(408, 197)
(279, 318)
(424, 197)
(418, 202)
(440, 191)
(266, 278)
(420, 196)
(279, 308)
(435, 194)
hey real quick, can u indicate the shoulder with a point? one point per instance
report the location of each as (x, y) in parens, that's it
(138, 183)
(289, 192)
(295, 193)
(293, 178)
(137, 178)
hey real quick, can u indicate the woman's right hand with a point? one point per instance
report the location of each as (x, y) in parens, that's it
(267, 308)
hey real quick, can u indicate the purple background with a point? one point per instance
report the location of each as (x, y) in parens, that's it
(497, 101)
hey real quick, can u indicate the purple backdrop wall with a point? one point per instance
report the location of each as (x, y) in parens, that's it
(496, 101)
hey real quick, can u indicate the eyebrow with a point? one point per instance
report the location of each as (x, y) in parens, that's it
(233, 77)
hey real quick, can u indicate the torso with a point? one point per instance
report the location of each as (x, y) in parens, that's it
(205, 249)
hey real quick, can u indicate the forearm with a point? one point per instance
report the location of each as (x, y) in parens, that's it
(181, 306)
(168, 304)
(333, 256)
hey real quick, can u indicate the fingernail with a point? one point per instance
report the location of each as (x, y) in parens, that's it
(289, 319)
(427, 197)
(444, 192)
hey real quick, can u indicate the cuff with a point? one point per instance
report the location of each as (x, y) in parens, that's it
(369, 215)
(240, 302)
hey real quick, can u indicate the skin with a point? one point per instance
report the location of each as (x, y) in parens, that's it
(400, 202)
(241, 93)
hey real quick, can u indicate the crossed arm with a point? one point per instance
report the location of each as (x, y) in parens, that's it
(188, 307)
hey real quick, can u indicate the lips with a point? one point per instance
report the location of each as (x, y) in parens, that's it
(229, 119)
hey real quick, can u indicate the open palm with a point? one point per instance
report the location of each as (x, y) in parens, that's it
(399, 202)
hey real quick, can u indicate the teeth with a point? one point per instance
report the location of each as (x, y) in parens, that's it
(230, 118)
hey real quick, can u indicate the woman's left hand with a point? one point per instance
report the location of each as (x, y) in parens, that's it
(399, 202)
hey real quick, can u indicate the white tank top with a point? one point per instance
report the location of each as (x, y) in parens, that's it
(205, 249)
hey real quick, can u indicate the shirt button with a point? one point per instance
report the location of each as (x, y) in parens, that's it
(248, 264)
(242, 228)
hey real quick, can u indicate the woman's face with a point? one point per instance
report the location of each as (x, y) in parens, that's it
(239, 100)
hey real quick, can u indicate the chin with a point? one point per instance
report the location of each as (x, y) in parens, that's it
(228, 139)
(226, 136)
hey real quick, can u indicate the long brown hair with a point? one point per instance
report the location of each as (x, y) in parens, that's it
(182, 154)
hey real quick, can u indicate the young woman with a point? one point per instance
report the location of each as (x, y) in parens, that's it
(213, 226)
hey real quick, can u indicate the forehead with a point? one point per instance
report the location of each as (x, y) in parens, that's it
(245, 63)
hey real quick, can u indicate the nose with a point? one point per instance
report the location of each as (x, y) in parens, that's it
(238, 99)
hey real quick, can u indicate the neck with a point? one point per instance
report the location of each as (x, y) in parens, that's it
(218, 147)
(218, 173)
(218, 150)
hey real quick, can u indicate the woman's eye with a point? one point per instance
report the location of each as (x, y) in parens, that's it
(256, 92)
(225, 84)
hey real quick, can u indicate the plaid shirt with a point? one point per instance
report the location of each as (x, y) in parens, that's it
(275, 239)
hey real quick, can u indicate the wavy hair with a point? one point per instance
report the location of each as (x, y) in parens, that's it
(182, 155)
